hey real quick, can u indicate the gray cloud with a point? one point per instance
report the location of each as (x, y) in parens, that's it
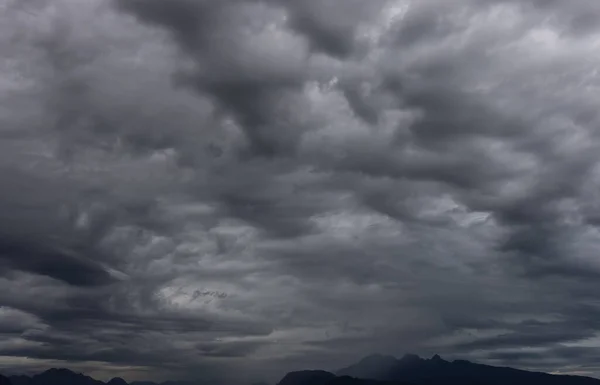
(191, 187)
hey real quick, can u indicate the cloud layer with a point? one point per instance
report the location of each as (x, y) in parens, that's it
(195, 186)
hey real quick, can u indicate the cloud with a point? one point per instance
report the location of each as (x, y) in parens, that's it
(264, 186)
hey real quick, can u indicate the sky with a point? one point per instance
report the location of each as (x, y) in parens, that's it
(228, 190)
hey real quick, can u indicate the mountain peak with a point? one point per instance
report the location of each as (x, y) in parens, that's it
(61, 376)
(372, 366)
(59, 372)
(412, 369)
(117, 381)
(437, 358)
(410, 358)
(303, 377)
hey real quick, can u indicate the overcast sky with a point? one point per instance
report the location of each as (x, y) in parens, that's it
(232, 189)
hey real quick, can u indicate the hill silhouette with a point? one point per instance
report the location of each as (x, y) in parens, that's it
(62, 376)
(117, 381)
(55, 376)
(312, 377)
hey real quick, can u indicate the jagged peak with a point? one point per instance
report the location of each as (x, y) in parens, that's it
(411, 358)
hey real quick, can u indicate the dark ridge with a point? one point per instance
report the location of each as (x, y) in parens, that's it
(176, 383)
(317, 377)
(437, 358)
(305, 377)
(437, 371)
(62, 376)
(372, 370)
(20, 380)
(373, 366)
(117, 381)
(411, 359)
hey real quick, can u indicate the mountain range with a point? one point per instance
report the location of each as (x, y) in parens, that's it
(414, 370)
(372, 370)
(62, 376)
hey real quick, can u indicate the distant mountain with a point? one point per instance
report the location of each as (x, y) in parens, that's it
(371, 370)
(437, 371)
(305, 377)
(346, 380)
(374, 366)
(117, 381)
(319, 377)
(55, 376)
(63, 376)
(20, 380)
(161, 383)
(176, 383)
(143, 383)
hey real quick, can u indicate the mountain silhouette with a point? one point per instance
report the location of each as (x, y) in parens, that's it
(312, 377)
(20, 380)
(375, 366)
(437, 371)
(62, 376)
(55, 376)
(375, 369)
(117, 381)
(143, 383)
(319, 377)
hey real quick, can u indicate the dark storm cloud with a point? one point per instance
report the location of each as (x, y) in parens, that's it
(92, 325)
(520, 339)
(256, 90)
(264, 185)
(281, 216)
(453, 119)
(331, 27)
(361, 104)
(549, 360)
(66, 266)
(34, 237)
